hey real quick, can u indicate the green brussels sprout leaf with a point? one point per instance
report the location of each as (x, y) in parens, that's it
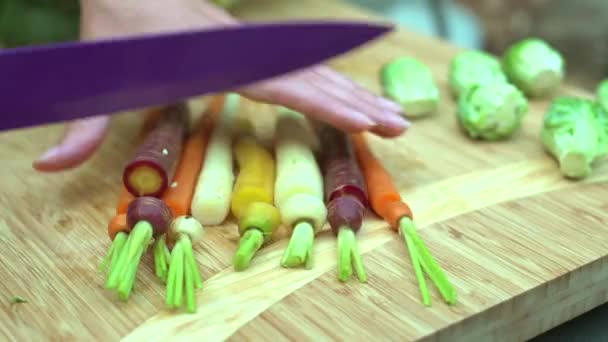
(410, 83)
(493, 111)
(534, 67)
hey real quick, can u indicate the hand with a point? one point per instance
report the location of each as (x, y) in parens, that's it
(319, 92)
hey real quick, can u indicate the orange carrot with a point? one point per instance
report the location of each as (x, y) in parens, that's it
(118, 224)
(384, 197)
(179, 194)
(124, 200)
(385, 201)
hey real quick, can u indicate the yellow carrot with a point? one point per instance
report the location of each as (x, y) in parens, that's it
(255, 180)
(252, 199)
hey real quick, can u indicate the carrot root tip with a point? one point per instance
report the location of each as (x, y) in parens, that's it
(299, 250)
(249, 244)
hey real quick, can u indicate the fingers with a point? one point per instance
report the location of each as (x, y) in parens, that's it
(383, 112)
(330, 97)
(80, 141)
(302, 97)
(345, 82)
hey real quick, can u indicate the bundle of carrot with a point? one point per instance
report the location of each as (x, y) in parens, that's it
(148, 217)
(253, 198)
(386, 202)
(346, 197)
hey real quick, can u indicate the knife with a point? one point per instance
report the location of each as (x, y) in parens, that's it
(59, 82)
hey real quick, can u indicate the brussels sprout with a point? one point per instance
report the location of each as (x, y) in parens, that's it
(574, 132)
(492, 111)
(602, 122)
(602, 93)
(534, 67)
(410, 83)
(473, 67)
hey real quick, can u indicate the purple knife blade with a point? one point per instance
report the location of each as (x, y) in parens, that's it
(59, 82)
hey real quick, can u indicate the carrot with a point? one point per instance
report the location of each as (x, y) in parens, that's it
(183, 274)
(211, 201)
(152, 167)
(185, 230)
(178, 195)
(252, 199)
(152, 116)
(124, 200)
(298, 188)
(118, 224)
(346, 197)
(118, 228)
(386, 202)
(148, 218)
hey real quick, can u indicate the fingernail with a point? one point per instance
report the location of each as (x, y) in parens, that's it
(390, 105)
(49, 154)
(363, 119)
(396, 120)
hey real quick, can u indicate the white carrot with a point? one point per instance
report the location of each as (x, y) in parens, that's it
(183, 276)
(211, 200)
(298, 187)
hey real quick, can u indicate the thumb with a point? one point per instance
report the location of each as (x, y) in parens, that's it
(80, 141)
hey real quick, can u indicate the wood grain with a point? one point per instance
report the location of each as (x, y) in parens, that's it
(524, 247)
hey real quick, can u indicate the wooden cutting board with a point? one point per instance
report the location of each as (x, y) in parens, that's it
(525, 248)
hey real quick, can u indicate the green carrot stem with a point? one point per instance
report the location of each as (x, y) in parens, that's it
(178, 296)
(183, 275)
(190, 300)
(424, 289)
(190, 261)
(171, 278)
(249, 244)
(430, 266)
(160, 258)
(126, 284)
(299, 250)
(349, 256)
(115, 249)
(128, 260)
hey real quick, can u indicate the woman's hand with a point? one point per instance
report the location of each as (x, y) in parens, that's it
(319, 92)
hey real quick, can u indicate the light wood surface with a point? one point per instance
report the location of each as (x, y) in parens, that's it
(525, 248)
